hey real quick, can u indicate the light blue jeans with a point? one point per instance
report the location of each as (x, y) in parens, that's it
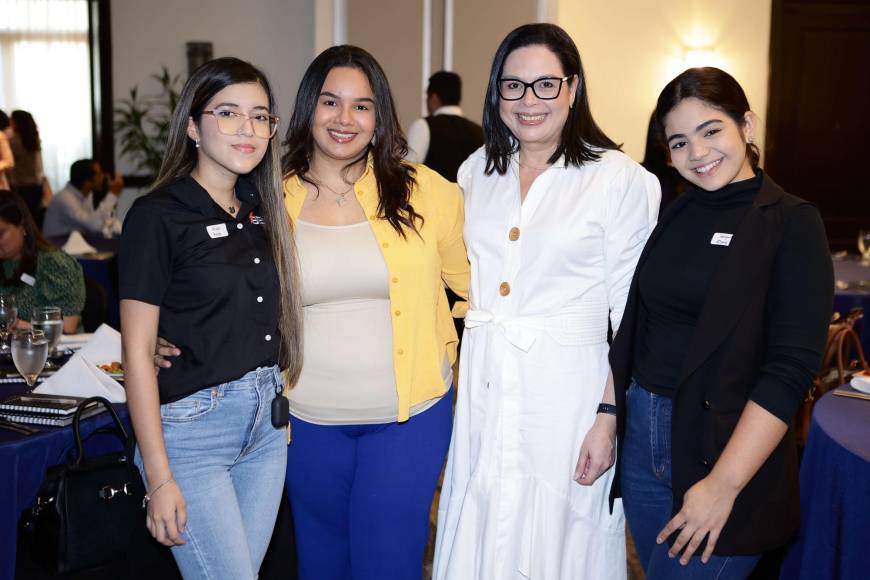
(647, 495)
(229, 463)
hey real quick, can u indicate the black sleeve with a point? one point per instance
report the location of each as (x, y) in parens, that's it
(145, 261)
(799, 303)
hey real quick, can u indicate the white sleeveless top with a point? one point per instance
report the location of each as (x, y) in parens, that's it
(347, 376)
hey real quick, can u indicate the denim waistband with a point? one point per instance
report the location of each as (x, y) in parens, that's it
(261, 377)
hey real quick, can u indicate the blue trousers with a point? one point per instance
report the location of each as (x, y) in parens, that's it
(361, 494)
(647, 495)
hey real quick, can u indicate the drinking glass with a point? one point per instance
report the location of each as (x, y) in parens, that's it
(864, 246)
(49, 320)
(29, 351)
(8, 319)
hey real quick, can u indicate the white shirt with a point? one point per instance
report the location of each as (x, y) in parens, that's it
(419, 135)
(70, 210)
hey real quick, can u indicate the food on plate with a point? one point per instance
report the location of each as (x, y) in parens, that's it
(114, 367)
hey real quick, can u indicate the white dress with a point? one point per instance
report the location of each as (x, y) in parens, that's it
(534, 366)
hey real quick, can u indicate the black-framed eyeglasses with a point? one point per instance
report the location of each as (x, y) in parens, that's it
(546, 88)
(263, 125)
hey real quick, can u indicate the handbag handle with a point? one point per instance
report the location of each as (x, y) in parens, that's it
(119, 431)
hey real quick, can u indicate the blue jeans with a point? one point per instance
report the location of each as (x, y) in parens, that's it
(228, 461)
(361, 494)
(647, 495)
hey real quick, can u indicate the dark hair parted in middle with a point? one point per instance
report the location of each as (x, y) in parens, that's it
(713, 86)
(14, 212)
(27, 131)
(580, 137)
(394, 177)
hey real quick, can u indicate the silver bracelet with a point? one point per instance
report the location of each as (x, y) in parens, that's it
(151, 493)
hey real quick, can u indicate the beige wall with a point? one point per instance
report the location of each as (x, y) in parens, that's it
(632, 48)
(276, 35)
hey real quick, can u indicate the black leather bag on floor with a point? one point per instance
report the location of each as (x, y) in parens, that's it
(88, 508)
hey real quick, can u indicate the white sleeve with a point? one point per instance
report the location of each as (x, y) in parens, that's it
(631, 210)
(418, 141)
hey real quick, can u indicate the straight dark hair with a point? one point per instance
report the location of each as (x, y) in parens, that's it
(394, 177)
(27, 131)
(181, 158)
(14, 212)
(580, 136)
(713, 86)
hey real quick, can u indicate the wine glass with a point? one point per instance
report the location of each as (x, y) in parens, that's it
(864, 246)
(29, 351)
(8, 319)
(49, 320)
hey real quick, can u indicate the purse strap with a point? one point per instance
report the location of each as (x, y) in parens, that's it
(119, 431)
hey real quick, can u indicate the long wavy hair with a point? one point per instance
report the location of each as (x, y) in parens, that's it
(580, 136)
(713, 86)
(27, 131)
(181, 158)
(395, 178)
(14, 212)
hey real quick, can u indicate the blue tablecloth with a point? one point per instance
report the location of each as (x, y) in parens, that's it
(834, 540)
(23, 462)
(855, 276)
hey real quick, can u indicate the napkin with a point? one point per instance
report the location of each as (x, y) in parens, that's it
(861, 382)
(77, 246)
(79, 378)
(104, 347)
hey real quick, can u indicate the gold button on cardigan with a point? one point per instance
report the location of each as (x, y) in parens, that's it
(424, 263)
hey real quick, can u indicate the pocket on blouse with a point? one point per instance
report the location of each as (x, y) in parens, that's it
(191, 407)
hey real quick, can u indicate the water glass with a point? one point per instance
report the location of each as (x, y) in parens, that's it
(49, 320)
(29, 352)
(864, 246)
(8, 319)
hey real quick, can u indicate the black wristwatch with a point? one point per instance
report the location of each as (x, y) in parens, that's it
(606, 408)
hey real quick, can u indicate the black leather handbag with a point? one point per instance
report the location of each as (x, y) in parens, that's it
(89, 507)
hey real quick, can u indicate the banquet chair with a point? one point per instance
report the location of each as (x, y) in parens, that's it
(96, 305)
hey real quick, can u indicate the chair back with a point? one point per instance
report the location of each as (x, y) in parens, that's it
(96, 305)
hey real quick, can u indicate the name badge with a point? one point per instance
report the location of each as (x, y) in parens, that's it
(720, 239)
(28, 279)
(217, 231)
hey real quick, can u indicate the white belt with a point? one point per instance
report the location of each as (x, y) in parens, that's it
(516, 329)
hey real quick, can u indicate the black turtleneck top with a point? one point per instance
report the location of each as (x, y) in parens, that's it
(676, 276)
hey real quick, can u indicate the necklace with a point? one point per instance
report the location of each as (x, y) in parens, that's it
(521, 164)
(342, 195)
(231, 209)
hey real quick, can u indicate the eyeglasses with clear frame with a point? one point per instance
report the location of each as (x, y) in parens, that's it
(231, 123)
(545, 88)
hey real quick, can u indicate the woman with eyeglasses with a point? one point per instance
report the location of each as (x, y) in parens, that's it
(556, 217)
(208, 261)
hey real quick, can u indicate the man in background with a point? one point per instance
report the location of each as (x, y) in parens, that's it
(72, 208)
(444, 139)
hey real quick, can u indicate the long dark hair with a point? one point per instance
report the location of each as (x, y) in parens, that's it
(580, 135)
(394, 177)
(14, 212)
(181, 158)
(714, 87)
(25, 128)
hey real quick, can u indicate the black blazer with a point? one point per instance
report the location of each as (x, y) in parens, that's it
(724, 363)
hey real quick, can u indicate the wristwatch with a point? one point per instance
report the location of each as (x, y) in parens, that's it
(606, 408)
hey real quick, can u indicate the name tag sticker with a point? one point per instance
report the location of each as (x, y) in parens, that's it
(720, 239)
(28, 279)
(217, 231)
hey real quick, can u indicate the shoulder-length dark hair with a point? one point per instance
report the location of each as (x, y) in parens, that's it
(27, 131)
(395, 178)
(181, 158)
(14, 212)
(713, 86)
(580, 135)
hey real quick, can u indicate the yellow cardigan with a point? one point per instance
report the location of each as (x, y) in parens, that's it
(418, 267)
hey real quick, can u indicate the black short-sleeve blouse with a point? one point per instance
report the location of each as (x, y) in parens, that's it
(213, 278)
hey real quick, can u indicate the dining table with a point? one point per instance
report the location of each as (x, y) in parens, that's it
(852, 290)
(832, 542)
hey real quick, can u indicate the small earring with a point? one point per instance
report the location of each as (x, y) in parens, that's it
(751, 140)
(196, 142)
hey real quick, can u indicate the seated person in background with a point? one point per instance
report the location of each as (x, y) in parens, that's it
(37, 273)
(7, 160)
(72, 208)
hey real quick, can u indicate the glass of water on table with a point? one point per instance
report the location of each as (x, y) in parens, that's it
(8, 319)
(48, 319)
(29, 352)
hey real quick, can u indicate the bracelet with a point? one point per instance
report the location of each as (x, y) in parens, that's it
(151, 493)
(606, 408)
